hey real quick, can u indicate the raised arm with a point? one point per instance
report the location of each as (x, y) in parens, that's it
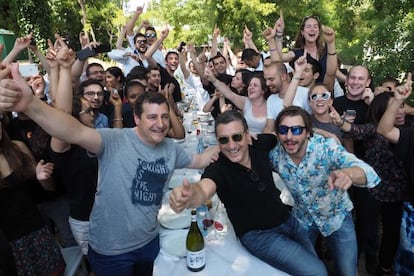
(269, 34)
(156, 45)
(131, 22)
(223, 88)
(300, 65)
(386, 125)
(214, 43)
(332, 61)
(248, 39)
(183, 63)
(20, 45)
(280, 28)
(120, 39)
(16, 95)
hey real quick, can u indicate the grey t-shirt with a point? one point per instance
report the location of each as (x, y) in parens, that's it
(131, 183)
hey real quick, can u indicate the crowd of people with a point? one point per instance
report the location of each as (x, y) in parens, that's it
(86, 154)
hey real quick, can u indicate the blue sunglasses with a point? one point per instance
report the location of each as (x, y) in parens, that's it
(296, 130)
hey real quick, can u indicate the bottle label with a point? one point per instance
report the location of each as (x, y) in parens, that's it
(196, 259)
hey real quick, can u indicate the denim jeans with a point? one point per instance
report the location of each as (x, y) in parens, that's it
(286, 247)
(343, 246)
(137, 262)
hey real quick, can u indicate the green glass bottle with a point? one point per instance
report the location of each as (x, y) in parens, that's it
(196, 257)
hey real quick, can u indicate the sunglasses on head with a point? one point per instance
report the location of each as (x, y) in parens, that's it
(151, 35)
(226, 139)
(296, 130)
(324, 96)
(311, 16)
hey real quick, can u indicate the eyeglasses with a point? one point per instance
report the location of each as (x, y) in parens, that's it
(296, 130)
(141, 41)
(226, 139)
(324, 96)
(93, 94)
(254, 177)
(153, 35)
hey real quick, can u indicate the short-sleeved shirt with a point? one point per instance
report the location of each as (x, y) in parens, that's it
(315, 202)
(131, 184)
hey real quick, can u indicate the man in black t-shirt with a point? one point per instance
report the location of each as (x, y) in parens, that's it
(242, 178)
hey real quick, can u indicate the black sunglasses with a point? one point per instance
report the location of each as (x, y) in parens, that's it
(141, 41)
(254, 177)
(151, 35)
(226, 139)
(296, 130)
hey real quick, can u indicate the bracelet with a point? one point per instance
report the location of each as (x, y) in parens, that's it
(332, 54)
(117, 119)
(297, 78)
(342, 123)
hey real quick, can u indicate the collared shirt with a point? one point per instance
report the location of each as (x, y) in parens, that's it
(101, 121)
(315, 202)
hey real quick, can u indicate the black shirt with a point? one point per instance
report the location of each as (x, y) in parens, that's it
(249, 207)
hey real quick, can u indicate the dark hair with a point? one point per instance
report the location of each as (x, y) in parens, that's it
(231, 116)
(18, 161)
(263, 85)
(171, 53)
(316, 65)
(391, 79)
(151, 98)
(131, 84)
(137, 72)
(117, 73)
(246, 75)
(292, 111)
(87, 83)
(219, 55)
(138, 35)
(150, 28)
(378, 106)
(249, 53)
(93, 64)
(300, 40)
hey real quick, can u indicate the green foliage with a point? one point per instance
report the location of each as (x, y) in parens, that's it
(376, 33)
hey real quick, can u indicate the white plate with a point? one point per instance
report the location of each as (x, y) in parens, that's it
(173, 243)
(171, 220)
(177, 179)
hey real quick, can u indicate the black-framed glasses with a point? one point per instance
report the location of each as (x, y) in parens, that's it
(226, 139)
(296, 130)
(93, 94)
(153, 35)
(141, 41)
(254, 177)
(324, 96)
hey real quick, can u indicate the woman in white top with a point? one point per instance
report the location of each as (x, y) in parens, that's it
(253, 106)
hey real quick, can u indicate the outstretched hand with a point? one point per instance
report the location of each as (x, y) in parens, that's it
(404, 90)
(180, 197)
(15, 93)
(339, 179)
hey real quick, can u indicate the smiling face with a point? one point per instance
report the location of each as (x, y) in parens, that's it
(94, 94)
(320, 106)
(237, 152)
(237, 81)
(255, 89)
(310, 31)
(294, 145)
(358, 79)
(154, 123)
(308, 77)
(273, 78)
(219, 64)
(172, 61)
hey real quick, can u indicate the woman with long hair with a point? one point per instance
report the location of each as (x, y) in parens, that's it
(34, 248)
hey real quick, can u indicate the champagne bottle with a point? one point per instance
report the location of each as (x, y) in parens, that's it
(196, 259)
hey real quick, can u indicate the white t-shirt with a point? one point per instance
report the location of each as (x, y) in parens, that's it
(275, 103)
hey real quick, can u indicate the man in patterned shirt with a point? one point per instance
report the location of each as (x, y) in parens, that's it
(317, 172)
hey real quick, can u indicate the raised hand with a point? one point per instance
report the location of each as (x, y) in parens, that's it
(328, 33)
(38, 84)
(335, 116)
(22, 43)
(269, 33)
(15, 93)
(404, 90)
(279, 25)
(247, 34)
(65, 56)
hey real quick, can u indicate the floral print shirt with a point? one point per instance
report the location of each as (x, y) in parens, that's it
(315, 202)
